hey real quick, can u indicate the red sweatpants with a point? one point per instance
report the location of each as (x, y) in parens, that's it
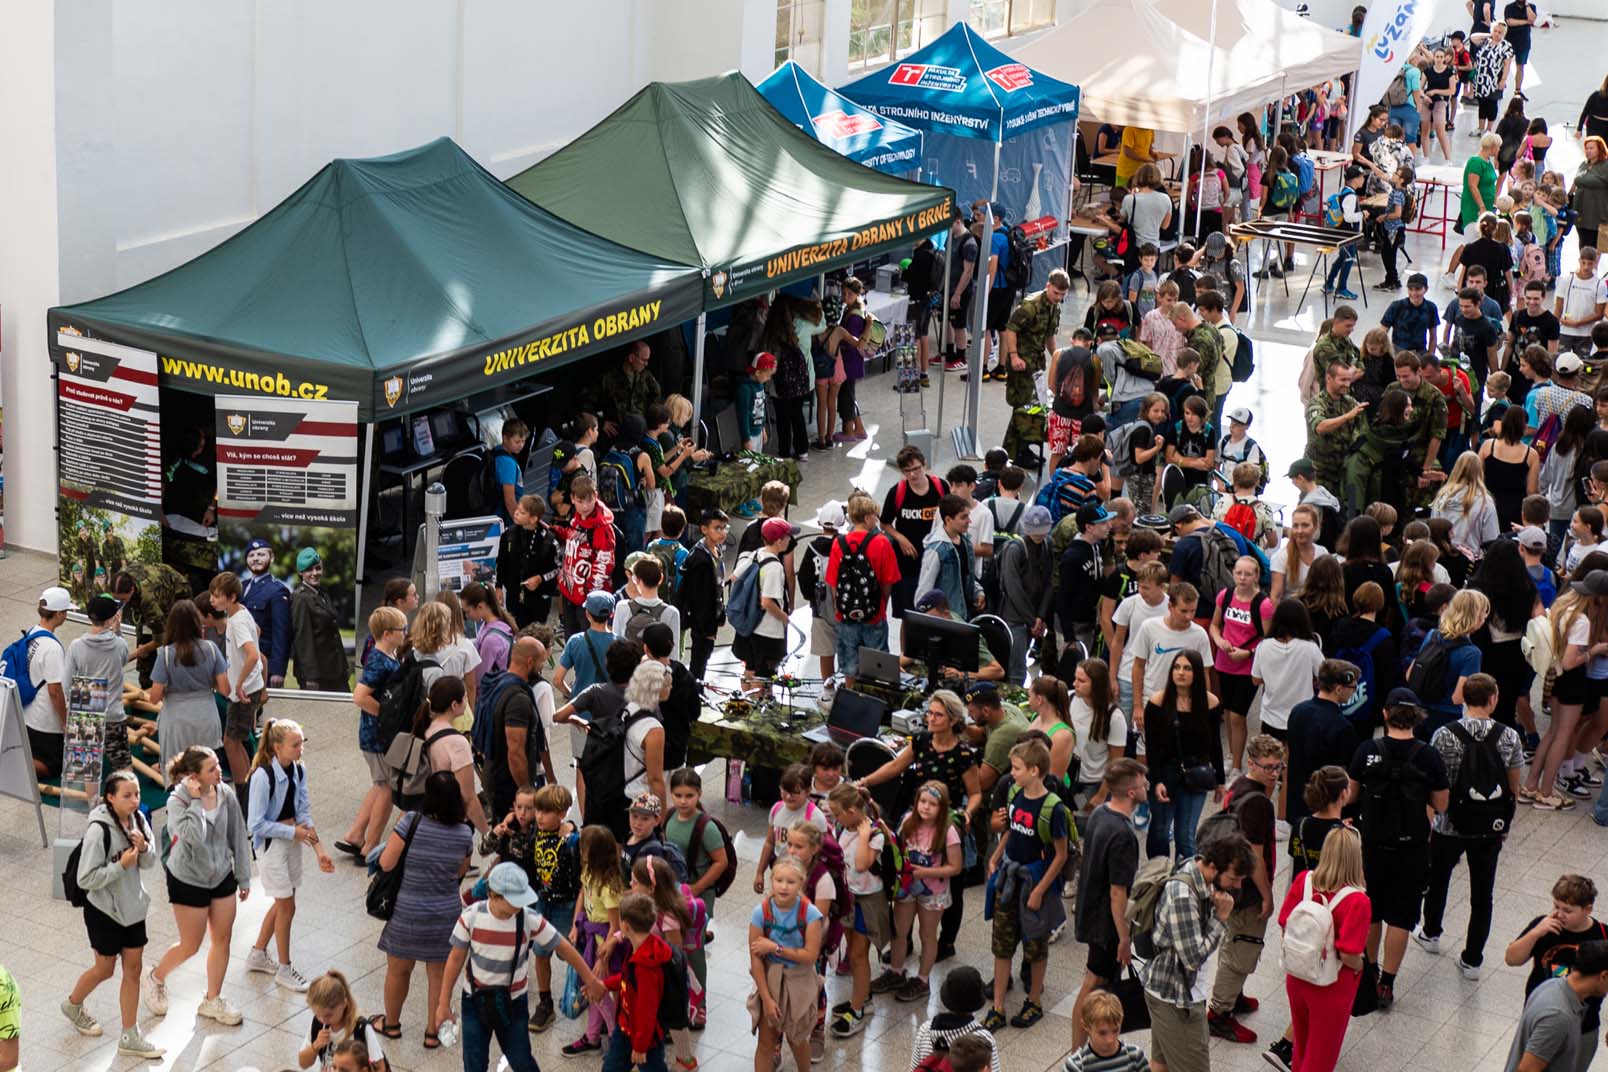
(1319, 1015)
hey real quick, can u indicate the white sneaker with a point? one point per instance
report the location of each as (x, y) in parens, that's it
(291, 979)
(84, 1023)
(132, 1044)
(1425, 942)
(1470, 971)
(219, 1009)
(258, 960)
(154, 991)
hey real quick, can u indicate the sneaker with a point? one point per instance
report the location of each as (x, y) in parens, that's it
(1596, 754)
(1346, 295)
(817, 1048)
(291, 979)
(914, 989)
(154, 991)
(995, 1021)
(1000, 374)
(582, 1046)
(131, 1044)
(841, 1007)
(84, 1023)
(937, 359)
(1387, 996)
(926, 380)
(1575, 787)
(691, 1064)
(1470, 972)
(700, 1019)
(1389, 284)
(849, 1023)
(1224, 1026)
(1032, 1012)
(956, 365)
(887, 982)
(1245, 1005)
(258, 960)
(1425, 942)
(1289, 264)
(542, 1018)
(1585, 777)
(1280, 1054)
(218, 1009)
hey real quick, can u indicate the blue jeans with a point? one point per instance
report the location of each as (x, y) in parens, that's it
(1125, 413)
(1408, 117)
(851, 637)
(617, 1058)
(1021, 639)
(1344, 258)
(1599, 811)
(1174, 820)
(513, 1037)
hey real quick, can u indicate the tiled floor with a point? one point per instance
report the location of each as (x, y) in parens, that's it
(1440, 1020)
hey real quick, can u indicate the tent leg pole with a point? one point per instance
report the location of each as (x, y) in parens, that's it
(366, 473)
(979, 321)
(1206, 122)
(698, 373)
(994, 193)
(943, 335)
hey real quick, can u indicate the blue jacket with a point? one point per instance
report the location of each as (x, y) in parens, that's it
(267, 788)
(954, 573)
(268, 600)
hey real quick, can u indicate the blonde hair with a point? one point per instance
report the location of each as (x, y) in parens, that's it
(1465, 613)
(680, 409)
(809, 832)
(449, 599)
(1340, 861)
(273, 734)
(1102, 1008)
(1465, 487)
(432, 628)
(331, 991)
(385, 619)
(1377, 343)
(790, 864)
(646, 684)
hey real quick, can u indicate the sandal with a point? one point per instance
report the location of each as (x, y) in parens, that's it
(1526, 793)
(432, 1041)
(390, 1031)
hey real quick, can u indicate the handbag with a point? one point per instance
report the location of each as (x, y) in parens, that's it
(1131, 992)
(1367, 999)
(1197, 777)
(839, 375)
(385, 886)
(572, 1002)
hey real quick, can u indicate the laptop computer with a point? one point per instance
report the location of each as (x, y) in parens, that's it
(879, 666)
(854, 715)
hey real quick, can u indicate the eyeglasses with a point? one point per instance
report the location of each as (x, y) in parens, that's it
(911, 470)
(1271, 768)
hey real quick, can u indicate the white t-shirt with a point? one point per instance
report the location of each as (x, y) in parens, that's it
(542, 692)
(1093, 755)
(981, 532)
(1134, 612)
(47, 663)
(860, 881)
(1286, 668)
(1280, 564)
(1580, 298)
(636, 754)
(772, 585)
(670, 616)
(1159, 644)
(242, 630)
(782, 819)
(459, 658)
(825, 889)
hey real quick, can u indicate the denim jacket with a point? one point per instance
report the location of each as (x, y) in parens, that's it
(267, 789)
(949, 567)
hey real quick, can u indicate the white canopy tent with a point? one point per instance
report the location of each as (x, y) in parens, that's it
(1262, 34)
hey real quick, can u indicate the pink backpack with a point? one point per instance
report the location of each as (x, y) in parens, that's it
(1532, 264)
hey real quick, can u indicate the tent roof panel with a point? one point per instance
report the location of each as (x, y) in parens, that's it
(837, 122)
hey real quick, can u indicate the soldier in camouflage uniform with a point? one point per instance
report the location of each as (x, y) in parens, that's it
(628, 387)
(80, 554)
(1206, 341)
(1336, 345)
(1334, 418)
(1025, 346)
(148, 591)
(1429, 426)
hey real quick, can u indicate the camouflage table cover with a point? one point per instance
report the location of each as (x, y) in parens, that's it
(774, 739)
(734, 483)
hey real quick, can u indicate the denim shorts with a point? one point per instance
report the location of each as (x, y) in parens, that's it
(852, 636)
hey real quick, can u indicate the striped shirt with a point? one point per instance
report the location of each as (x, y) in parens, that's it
(490, 942)
(1128, 1058)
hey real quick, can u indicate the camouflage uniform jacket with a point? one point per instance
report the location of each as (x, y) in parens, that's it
(1327, 451)
(1429, 418)
(158, 588)
(1331, 349)
(1206, 341)
(625, 391)
(1035, 321)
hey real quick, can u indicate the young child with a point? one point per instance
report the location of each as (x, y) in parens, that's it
(1143, 281)
(861, 835)
(971, 1054)
(1392, 222)
(826, 887)
(351, 1056)
(644, 838)
(704, 848)
(826, 765)
(795, 806)
(1024, 876)
(247, 667)
(638, 1040)
(680, 923)
(784, 945)
(281, 822)
(597, 918)
(336, 1025)
(1494, 402)
(931, 845)
(493, 940)
(962, 996)
(751, 401)
(1105, 1051)
(388, 628)
(100, 655)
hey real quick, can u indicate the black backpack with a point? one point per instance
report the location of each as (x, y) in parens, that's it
(1244, 358)
(602, 765)
(76, 895)
(859, 593)
(1018, 272)
(1481, 806)
(403, 693)
(674, 996)
(1432, 667)
(695, 848)
(489, 491)
(1395, 793)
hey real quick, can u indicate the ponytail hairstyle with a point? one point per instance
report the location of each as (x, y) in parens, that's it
(475, 594)
(660, 877)
(331, 991)
(850, 797)
(1053, 689)
(273, 734)
(908, 829)
(192, 760)
(600, 858)
(1326, 787)
(445, 691)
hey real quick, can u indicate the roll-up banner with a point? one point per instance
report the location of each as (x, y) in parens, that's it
(1389, 33)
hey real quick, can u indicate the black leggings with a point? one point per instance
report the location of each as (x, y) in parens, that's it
(792, 434)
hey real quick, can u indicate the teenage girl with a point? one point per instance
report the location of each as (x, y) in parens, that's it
(336, 1025)
(1325, 794)
(281, 822)
(208, 867)
(1047, 698)
(597, 918)
(860, 836)
(784, 945)
(676, 923)
(117, 846)
(931, 845)
(686, 794)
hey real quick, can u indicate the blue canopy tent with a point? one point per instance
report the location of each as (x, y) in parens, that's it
(995, 128)
(840, 124)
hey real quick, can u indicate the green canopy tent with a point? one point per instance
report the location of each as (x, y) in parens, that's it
(709, 173)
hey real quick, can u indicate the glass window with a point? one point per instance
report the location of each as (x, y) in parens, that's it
(1006, 18)
(881, 31)
(798, 33)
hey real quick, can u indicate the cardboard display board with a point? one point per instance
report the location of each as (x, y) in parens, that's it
(17, 778)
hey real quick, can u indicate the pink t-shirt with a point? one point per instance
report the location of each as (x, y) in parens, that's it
(1239, 631)
(920, 852)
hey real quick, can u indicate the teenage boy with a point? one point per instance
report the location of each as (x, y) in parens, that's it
(703, 589)
(46, 714)
(1111, 860)
(493, 939)
(388, 628)
(1024, 879)
(1549, 1037)
(1167, 635)
(1025, 590)
(1532, 541)
(774, 497)
(1551, 943)
(861, 592)
(762, 651)
(527, 563)
(1486, 819)
(907, 517)
(246, 681)
(100, 655)
(635, 613)
(589, 548)
(1546, 398)
(638, 1040)
(1141, 546)
(1473, 335)
(505, 469)
(1001, 517)
(1250, 798)
(1581, 300)
(1412, 320)
(1530, 324)
(1319, 735)
(1077, 594)
(947, 559)
(580, 664)
(1149, 601)
(679, 710)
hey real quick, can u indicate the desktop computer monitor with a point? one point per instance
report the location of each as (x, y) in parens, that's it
(940, 642)
(727, 438)
(392, 440)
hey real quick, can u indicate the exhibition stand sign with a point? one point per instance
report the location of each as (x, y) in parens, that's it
(838, 123)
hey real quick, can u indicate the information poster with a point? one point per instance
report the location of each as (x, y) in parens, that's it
(468, 551)
(111, 460)
(286, 461)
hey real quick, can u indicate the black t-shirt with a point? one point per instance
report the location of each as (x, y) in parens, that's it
(1530, 330)
(1079, 596)
(1359, 573)
(287, 810)
(1190, 444)
(919, 277)
(1023, 814)
(1391, 749)
(1472, 338)
(1366, 138)
(1259, 821)
(1439, 80)
(1121, 584)
(1307, 835)
(1110, 858)
(515, 707)
(1319, 735)
(1497, 260)
(913, 518)
(752, 539)
(1554, 954)
(1518, 36)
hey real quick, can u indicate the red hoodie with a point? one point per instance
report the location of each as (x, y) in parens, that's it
(588, 553)
(641, 985)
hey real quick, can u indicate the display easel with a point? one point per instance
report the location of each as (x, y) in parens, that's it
(18, 779)
(84, 750)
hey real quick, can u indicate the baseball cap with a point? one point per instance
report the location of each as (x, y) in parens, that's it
(1569, 364)
(1037, 521)
(1403, 697)
(102, 608)
(1216, 244)
(1182, 513)
(777, 528)
(633, 558)
(764, 360)
(931, 599)
(600, 605)
(1302, 467)
(1532, 538)
(56, 599)
(832, 515)
(1093, 514)
(1595, 584)
(648, 804)
(1240, 415)
(982, 692)
(259, 544)
(509, 881)
(306, 559)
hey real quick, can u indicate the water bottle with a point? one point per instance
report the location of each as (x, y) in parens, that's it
(447, 1033)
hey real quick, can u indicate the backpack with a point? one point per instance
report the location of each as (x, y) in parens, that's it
(1306, 173)
(1241, 517)
(1225, 820)
(1334, 207)
(1409, 207)
(1287, 190)
(1308, 951)
(1547, 435)
(76, 895)
(1481, 805)
(902, 487)
(1074, 386)
(409, 760)
(858, 592)
(890, 865)
(1004, 532)
(812, 579)
(1118, 442)
(695, 846)
(602, 765)
(667, 851)
(1360, 709)
(743, 609)
(665, 551)
(1219, 552)
(1396, 93)
(642, 616)
(674, 994)
(1137, 353)
(403, 693)
(1430, 668)
(1062, 492)
(487, 497)
(14, 663)
(1018, 271)
(829, 861)
(1532, 264)
(617, 480)
(1143, 898)
(483, 734)
(1244, 358)
(1394, 795)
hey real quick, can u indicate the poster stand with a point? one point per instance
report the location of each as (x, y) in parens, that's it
(17, 776)
(84, 751)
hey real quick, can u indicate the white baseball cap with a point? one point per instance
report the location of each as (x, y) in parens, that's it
(832, 514)
(56, 599)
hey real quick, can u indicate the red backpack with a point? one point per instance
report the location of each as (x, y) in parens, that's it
(1241, 517)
